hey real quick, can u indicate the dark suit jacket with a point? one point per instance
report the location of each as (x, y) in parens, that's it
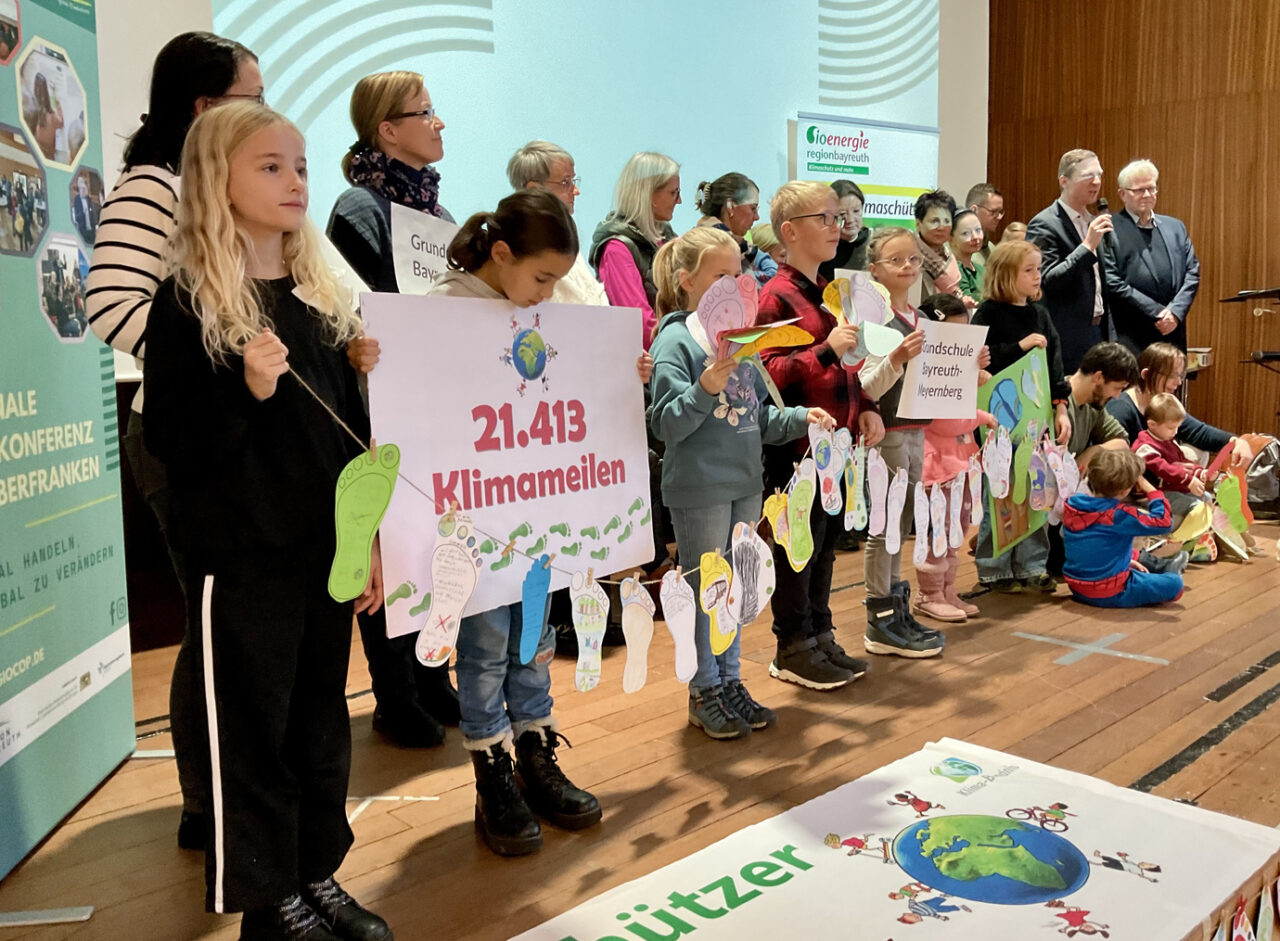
(1066, 272)
(85, 216)
(1134, 292)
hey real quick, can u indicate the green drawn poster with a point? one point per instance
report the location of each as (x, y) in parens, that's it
(66, 698)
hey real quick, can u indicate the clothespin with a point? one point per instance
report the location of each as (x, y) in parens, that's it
(507, 551)
(551, 558)
(591, 574)
(373, 450)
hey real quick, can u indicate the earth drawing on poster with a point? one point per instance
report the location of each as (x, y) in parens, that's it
(990, 859)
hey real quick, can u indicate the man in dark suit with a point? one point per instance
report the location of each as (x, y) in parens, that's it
(84, 211)
(1069, 238)
(1151, 273)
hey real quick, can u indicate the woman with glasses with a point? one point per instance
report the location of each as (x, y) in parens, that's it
(966, 242)
(731, 203)
(940, 273)
(192, 73)
(397, 140)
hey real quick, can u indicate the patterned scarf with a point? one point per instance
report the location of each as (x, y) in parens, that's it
(396, 181)
(934, 262)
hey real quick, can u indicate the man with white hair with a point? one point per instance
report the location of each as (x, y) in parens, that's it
(547, 165)
(1152, 273)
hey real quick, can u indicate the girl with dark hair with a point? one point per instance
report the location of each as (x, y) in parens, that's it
(731, 203)
(192, 73)
(851, 253)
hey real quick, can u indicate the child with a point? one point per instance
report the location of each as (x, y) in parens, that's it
(1016, 323)
(1166, 463)
(807, 218)
(894, 260)
(516, 253)
(1102, 567)
(253, 459)
(948, 445)
(711, 470)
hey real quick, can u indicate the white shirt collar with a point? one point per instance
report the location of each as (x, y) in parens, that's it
(1155, 220)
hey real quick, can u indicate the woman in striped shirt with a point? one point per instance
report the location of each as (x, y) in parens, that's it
(192, 73)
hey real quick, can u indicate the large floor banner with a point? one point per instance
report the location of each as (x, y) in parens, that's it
(954, 841)
(66, 698)
(528, 421)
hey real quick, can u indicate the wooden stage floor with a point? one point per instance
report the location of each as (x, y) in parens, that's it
(668, 791)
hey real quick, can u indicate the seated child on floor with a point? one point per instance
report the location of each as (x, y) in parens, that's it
(1167, 466)
(1102, 567)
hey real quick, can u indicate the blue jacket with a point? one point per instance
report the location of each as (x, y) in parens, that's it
(1098, 534)
(713, 443)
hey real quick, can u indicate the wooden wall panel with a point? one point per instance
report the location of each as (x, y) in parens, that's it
(1193, 85)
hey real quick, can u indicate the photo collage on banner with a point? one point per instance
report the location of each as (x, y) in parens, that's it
(65, 685)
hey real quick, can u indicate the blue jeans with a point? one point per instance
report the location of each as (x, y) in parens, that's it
(702, 529)
(1027, 559)
(1141, 588)
(496, 690)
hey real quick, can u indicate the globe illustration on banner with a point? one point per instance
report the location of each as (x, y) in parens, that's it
(529, 355)
(990, 859)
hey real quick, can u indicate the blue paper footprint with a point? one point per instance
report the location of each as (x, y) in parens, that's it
(534, 600)
(1005, 404)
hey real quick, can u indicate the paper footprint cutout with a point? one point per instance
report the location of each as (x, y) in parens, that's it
(955, 509)
(754, 578)
(920, 555)
(534, 601)
(878, 484)
(1038, 481)
(729, 304)
(896, 500)
(1021, 468)
(826, 462)
(590, 607)
(455, 564)
(677, 600)
(1231, 497)
(1001, 463)
(799, 506)
(859, 489)
(938, 517)
(362, 495)
(714, 599)
(975, 490)
(637, 629)
(775, 511)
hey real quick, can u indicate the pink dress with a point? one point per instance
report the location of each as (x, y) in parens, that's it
(948, 444)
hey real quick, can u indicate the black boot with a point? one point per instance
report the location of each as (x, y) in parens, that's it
(888, 632)
(503, 819)
(436, 693)
(407, 725)
(552, 795)
(902, 591)
(343, 914)
(291, 919)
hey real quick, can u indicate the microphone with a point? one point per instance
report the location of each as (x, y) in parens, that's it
(1102, 204)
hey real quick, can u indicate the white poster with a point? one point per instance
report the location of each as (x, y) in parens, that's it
(954, 841)
(419, 245)
(942, 382)
(891, 163)
(530, 420)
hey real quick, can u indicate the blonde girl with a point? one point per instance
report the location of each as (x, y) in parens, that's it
(253, 459)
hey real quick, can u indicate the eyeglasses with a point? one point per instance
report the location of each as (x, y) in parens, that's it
(566, 184)
(259, 98)
(428, 113)
(1090, 177)
(828, 218)
(1141, 190)
(897, 261)
(994, 213)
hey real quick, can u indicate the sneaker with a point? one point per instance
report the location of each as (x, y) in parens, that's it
(1156, 565)
(710, 712)
(810, 667)
(756, 715)
(342, 914)
(836, 654)
(1043, 582)
(290, 919)
(888, 632)
(1006, 586)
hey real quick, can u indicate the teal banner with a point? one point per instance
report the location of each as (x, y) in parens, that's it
(66, 698)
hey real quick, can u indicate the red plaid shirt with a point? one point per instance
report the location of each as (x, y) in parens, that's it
(809, 375)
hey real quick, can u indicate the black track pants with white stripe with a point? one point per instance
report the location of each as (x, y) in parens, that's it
(273, 651)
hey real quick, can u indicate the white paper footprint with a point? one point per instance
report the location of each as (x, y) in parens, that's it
(826, 460)
(938, 517)
(455, 566)
(955, 527)
(637, 629)
(859, 485)
(998, 473)
(754, 577)
(989, 456)
(920, 554)
(676, 595)
(1057, 469)
(878, 484)
(590, 607)
(975, 490)
(893, 512)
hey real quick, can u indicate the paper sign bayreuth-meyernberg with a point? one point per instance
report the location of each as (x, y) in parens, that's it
(942, 382)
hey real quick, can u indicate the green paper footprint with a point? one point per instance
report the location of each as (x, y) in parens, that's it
(363, 493)
(561, 529)
(1021, 470)
(612, 525)
(625, 534)
(1231, 500)
(600, 554)
(421, 606)
(573, 549)
(591, 532)
(799, 506)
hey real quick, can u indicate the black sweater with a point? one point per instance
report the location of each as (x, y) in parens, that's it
(1008, 325)
(248, 477)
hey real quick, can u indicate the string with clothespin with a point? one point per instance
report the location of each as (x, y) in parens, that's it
(509, 545)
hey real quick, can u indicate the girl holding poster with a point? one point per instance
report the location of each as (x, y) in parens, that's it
(253, 461)
(711, 473)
